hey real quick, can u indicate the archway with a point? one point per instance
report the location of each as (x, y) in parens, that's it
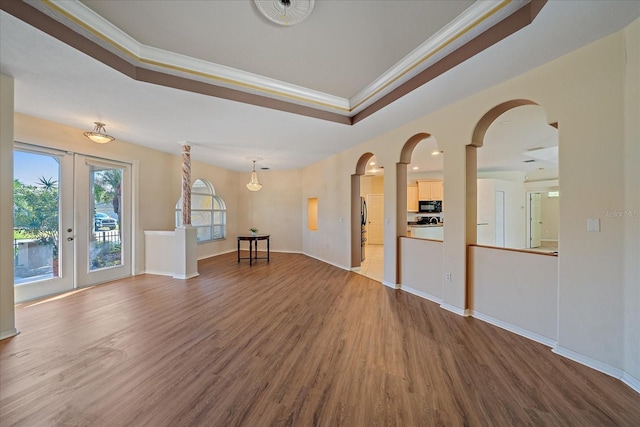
(356, 220)
(420, 169)
(427, 169)
(520, 153)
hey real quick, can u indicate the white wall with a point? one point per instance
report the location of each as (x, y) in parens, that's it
(632, 205)
(487, 212)
(421, 268)
(550, 216)
(7, 317)
(276, 209)
(329, 181)
(514, 212)
(515, 290)
(584, 92)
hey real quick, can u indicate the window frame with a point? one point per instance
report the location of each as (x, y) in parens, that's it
(218, 209)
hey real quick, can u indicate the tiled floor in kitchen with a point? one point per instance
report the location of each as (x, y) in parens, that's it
(373, 264)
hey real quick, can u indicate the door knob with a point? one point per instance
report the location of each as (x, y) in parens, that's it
(69, 239)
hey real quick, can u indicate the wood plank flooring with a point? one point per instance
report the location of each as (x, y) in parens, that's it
(295, 342)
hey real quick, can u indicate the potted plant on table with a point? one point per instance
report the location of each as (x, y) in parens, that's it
(254, 231)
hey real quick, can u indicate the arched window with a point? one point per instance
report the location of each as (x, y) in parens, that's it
(208, 212)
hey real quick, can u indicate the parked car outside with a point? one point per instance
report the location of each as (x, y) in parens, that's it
(103, 221)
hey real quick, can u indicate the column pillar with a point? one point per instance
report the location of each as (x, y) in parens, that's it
(186, 184)
(186, 239)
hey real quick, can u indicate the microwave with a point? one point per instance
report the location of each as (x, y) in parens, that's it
(430, 206)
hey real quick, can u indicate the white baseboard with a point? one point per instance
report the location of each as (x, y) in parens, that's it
(592, 363)
(325, 261)
(631, 381)
(421, 294)
(185, 277)
(158, 273)
(8, 334)
(549, 342)
(218, 253)
(391, 285)
(457, 310)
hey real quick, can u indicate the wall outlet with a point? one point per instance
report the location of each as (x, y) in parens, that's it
(593, 225)
(447, 277)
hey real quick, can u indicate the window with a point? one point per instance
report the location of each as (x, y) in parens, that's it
(208, 212)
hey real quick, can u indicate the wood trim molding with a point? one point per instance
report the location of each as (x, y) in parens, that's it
(524, 251)
(77, 26)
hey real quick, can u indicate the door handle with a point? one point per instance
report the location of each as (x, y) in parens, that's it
(69, 239)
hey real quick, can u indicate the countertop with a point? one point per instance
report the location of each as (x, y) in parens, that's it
(413, 224)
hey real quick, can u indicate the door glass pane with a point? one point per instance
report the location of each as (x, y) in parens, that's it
(105, 248)
(36, 213)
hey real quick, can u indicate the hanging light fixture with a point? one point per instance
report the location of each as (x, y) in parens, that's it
(253, 184)
(99, 134)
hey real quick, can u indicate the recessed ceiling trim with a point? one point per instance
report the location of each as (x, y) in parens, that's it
(473, 21)
(85, 21)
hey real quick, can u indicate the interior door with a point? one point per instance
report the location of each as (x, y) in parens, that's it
(535, 220)
(43, 222)
(375, 215)
(103, 220)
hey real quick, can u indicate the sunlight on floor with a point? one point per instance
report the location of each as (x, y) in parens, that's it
(373, 265)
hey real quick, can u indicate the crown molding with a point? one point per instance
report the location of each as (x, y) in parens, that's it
(478, 18)
(83, 20)
(475, 20)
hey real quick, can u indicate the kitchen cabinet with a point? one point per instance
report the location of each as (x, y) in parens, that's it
(430, 190)
(412, 199)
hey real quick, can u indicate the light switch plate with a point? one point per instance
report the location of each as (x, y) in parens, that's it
(593, 225)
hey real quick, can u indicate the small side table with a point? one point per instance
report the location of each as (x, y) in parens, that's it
(253, 243)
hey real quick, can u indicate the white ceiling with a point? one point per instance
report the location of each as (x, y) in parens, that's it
(335, 50)
(340, 48)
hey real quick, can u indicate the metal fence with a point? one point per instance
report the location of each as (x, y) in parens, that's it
(112, 236)
(34, 251)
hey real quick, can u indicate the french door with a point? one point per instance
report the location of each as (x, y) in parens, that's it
(72, 221)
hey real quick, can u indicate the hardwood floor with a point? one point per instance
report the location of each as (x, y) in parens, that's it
(295, 342)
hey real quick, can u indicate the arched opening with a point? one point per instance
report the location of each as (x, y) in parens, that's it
(420, 201)
(517, 178)
(420, 172)
(371, 215)
(356, 210)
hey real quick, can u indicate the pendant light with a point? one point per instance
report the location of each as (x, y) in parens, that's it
(99, 134)
(253, 184)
